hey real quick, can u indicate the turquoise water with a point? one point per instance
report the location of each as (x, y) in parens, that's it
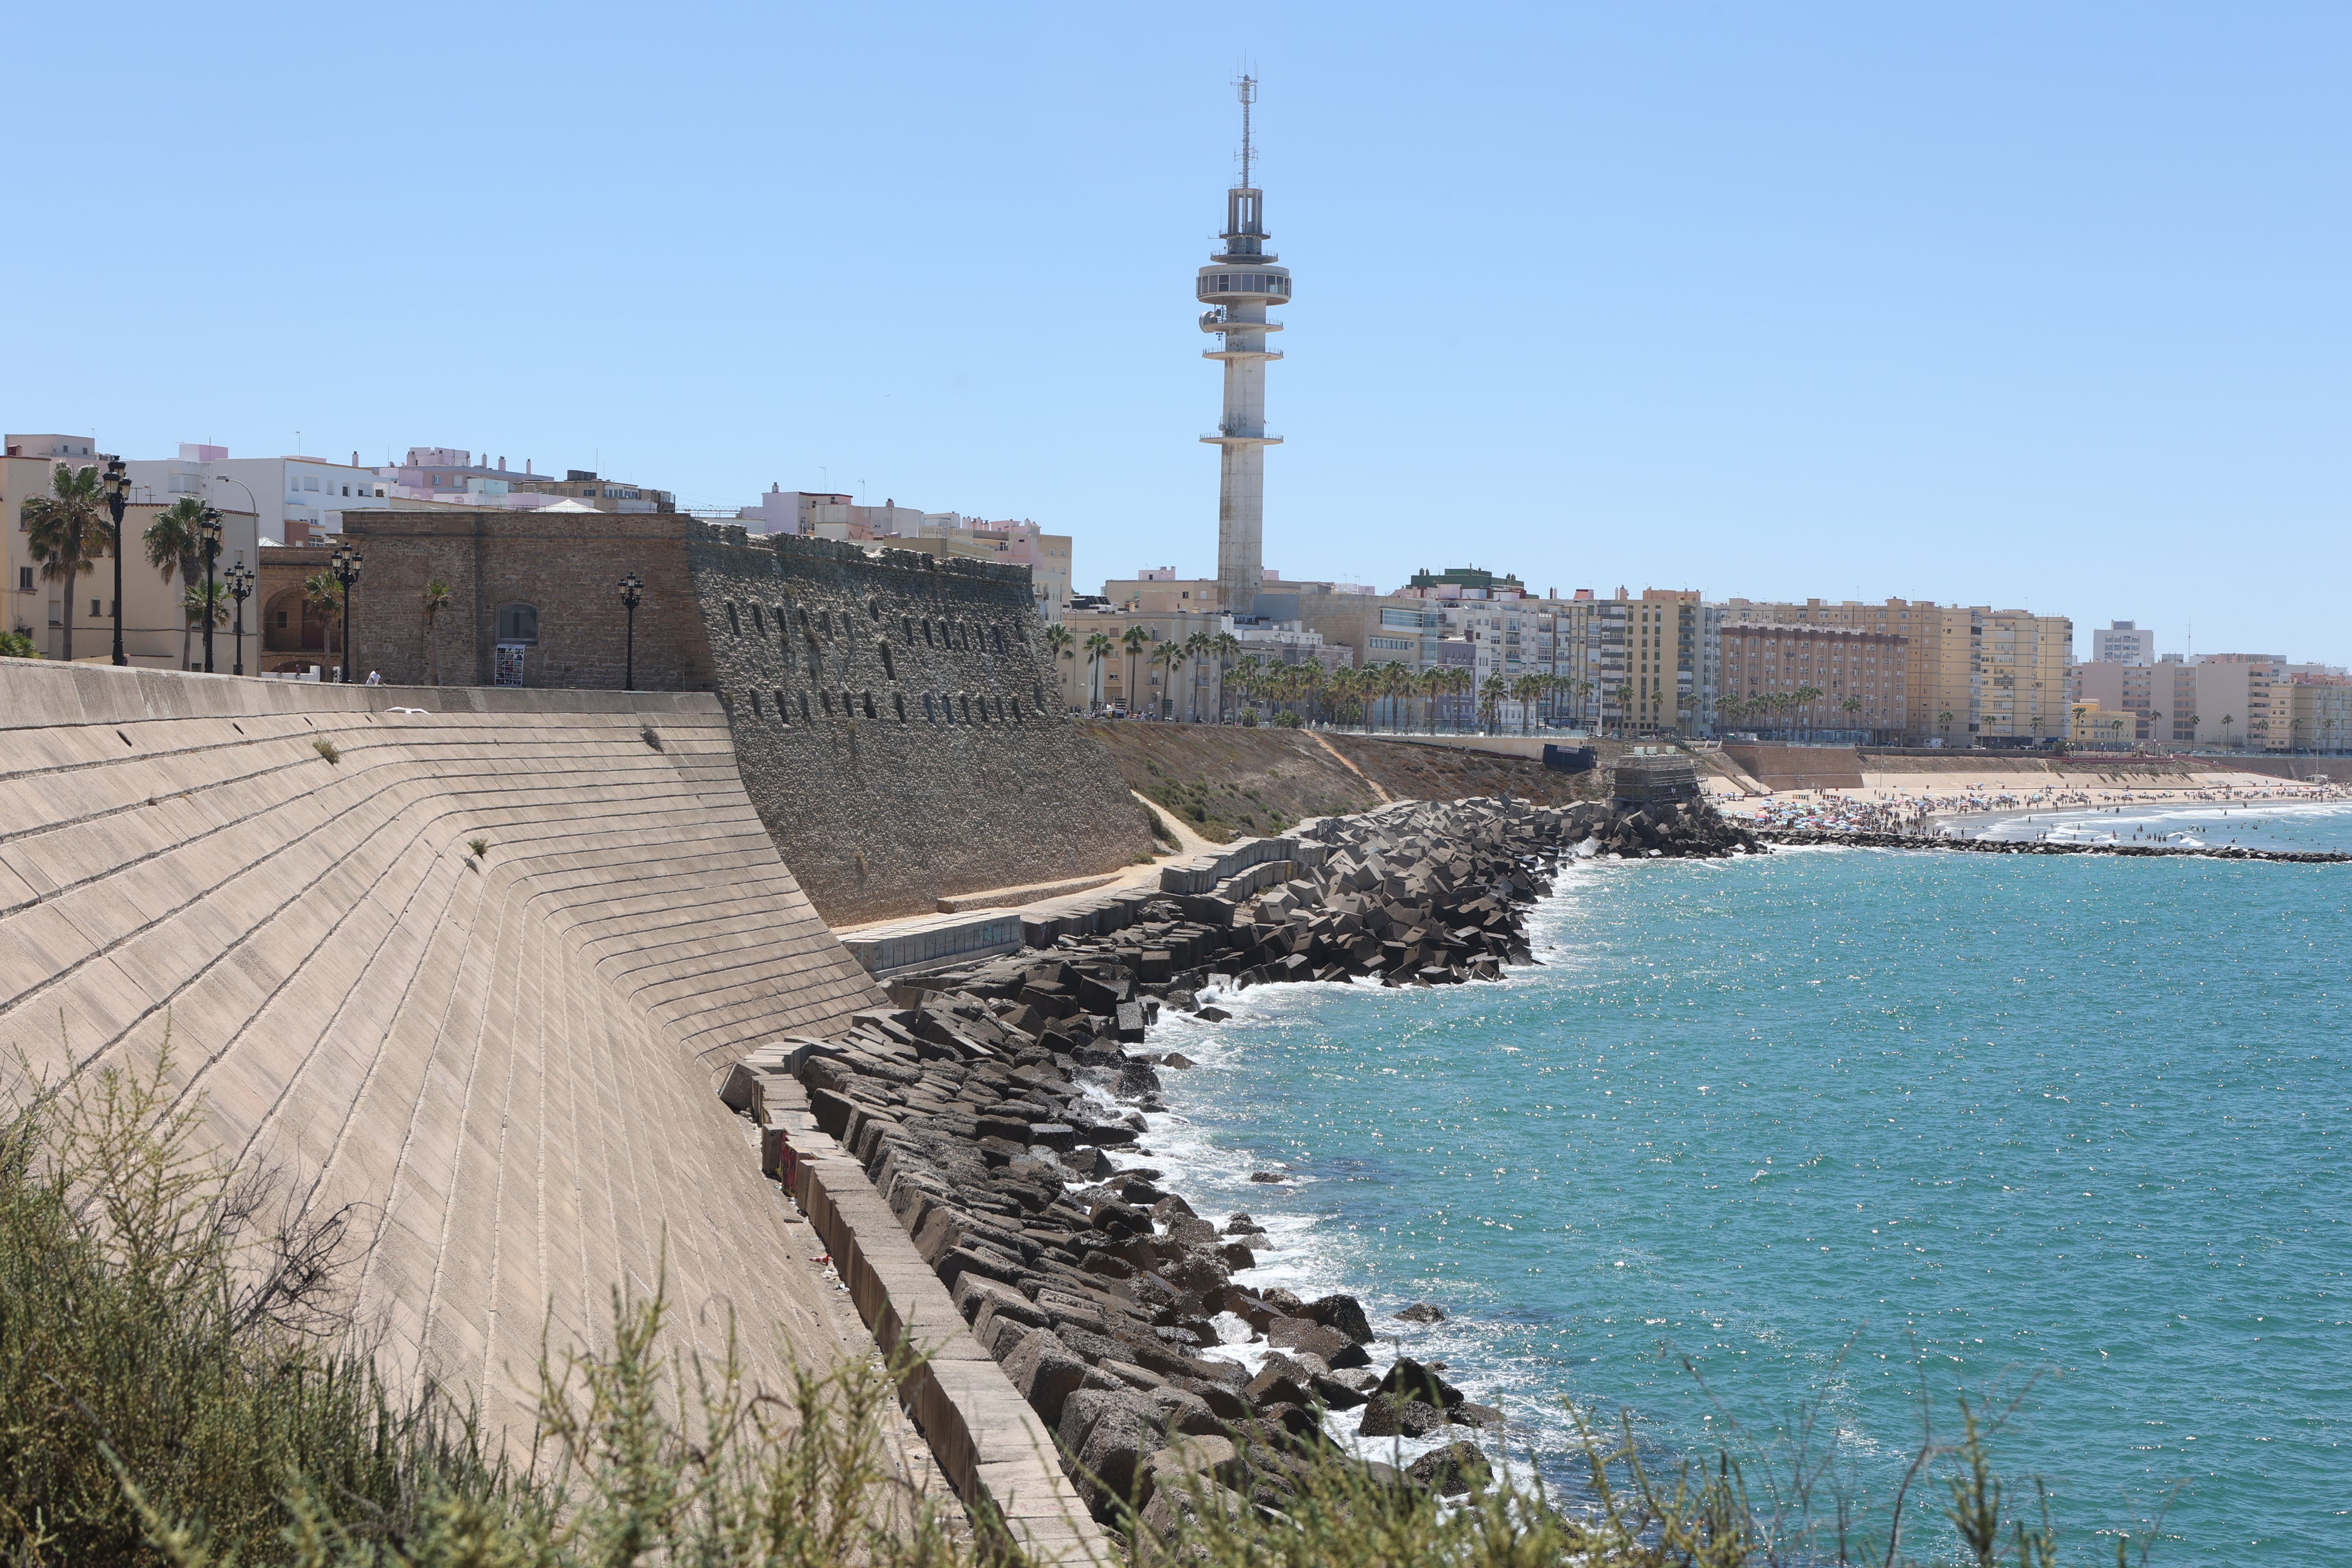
(1834, 1124)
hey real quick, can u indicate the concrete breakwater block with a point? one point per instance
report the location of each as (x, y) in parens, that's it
(980, 1108)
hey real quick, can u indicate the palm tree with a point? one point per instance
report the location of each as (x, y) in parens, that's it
(320, 591)
(1491, 692)
(173, 540)
(1169, 656)
(1227, 647)
(1196, 648)
(1526, 689)
(437, 599)
(66, 532)
(199, 597)
(1688, 702)
(1853, 705)
(1726, 708)
(1136, 638)
(1099, 648)
(1945, 718)
(2227, 720)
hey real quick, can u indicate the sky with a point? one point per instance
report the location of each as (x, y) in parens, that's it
(2009, 305)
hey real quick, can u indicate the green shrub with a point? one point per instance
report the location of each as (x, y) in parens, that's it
(327, 749)
(16, 645)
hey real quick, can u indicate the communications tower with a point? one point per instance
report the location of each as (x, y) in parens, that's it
(1240, 281)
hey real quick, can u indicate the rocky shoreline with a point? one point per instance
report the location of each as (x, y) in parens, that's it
(1815, 836)
(994, 1110)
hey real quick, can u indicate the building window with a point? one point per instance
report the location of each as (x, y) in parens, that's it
(759, 621)
(517, 623)
(889, 672)
(898, 700)
(869, 705)
(755, 704)
(734, 621)
(23, 579)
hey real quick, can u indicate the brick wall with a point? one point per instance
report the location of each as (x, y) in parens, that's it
(566, 565)
(897, 724)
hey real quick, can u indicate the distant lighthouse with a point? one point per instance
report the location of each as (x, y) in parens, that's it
(1237, 286)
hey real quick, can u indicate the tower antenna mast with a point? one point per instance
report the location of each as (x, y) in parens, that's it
(1247, 90)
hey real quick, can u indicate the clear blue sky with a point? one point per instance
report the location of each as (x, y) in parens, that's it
(2016, 304)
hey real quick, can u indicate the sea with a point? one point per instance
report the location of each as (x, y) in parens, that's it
(1792, 1157)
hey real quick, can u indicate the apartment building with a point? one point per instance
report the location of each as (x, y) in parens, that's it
(1021, 543)
(449, 475)
(2024, 694)
(297, 499)
(2309, 712)
(2123, 642)
(1948, 667)
(2161, 696)
(1861, 679)
(38, 607)
(1590, 640)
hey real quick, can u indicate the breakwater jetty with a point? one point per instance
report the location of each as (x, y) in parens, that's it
(997, 1107)
(1814, 835)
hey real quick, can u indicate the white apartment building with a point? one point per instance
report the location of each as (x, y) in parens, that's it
(311, 494)
(2123, 642)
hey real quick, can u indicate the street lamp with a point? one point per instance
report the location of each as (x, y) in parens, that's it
(209, 530)
(240, 588)
(632, 592)
(117, 495)
(344, 566)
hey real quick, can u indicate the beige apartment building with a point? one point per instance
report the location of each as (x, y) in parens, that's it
(1969, 672)
(152, 618)
(2161, 697)
(2308, 712)
(1861, 678)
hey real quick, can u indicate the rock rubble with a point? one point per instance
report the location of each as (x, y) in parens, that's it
(991, 1109)
(1815, 836)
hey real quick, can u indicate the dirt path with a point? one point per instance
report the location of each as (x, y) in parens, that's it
(1347, 763)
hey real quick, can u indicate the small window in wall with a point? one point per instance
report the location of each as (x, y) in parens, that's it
(826, 698)
(755, 704)
(804, 713)
(889, 671)
(869, 705)
(1000, 638)
(967, 709)
(906, 626)
(1016, 711)
(734, 621)
(931, 715)
(898, 700)
(927, 636)
(874, 609)
(784, 627)
(812, 659)
(759, 621)
(520, 623)
(783, 713)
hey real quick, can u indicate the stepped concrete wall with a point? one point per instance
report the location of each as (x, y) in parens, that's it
(505, 1065)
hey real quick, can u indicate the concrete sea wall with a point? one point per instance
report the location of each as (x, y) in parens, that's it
(504, 1063)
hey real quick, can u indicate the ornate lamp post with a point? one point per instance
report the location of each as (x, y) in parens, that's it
(209, 530)
(632, 592)
(117, 495)
(239, 578)
(344, 566)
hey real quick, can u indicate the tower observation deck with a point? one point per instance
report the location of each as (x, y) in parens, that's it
(1240, 281)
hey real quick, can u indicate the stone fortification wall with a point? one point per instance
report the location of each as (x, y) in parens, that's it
(565, 566)
(898, 723)
(502, 1062)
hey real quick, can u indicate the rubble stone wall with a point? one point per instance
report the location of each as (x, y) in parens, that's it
(896, 719)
